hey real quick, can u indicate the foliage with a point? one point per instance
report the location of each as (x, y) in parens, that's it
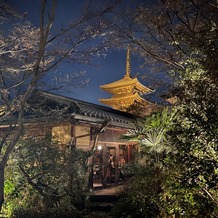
(47, 176)
(57, 213)
(151, 133)
(195, 138)
(142, 196)
(181, 36)
(194, 135)
(18, 193)
(145, 188)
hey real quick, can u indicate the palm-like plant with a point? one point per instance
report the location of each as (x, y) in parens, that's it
(154, 143)
(151, 134)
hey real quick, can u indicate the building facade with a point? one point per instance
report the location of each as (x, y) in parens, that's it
(85, 126)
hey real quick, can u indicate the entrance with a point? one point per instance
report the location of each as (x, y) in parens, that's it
(108, 161)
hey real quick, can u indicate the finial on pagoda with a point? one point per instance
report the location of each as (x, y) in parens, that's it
(128, 62)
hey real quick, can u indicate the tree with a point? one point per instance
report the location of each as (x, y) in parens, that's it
(7, 11)
(181, 37)
(166, 32)
(195, 138)
(27, 55)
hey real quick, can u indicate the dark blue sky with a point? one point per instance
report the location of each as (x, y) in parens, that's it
(105, 69)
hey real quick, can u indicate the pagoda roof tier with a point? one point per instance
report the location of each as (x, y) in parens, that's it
(124, 101)
(125, 84)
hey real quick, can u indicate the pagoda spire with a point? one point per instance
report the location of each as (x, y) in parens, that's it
(128, 62)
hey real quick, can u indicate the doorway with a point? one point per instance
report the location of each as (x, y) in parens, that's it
(108, 161)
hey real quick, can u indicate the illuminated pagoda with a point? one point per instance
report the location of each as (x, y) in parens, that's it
(127, 92)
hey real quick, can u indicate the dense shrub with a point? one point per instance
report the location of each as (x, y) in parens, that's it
(142, 198)
(56, 213)
(42, 176)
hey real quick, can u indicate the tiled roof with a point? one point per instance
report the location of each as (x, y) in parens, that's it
(82, 110)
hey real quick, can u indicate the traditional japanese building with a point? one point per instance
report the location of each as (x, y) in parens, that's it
(78, 124)
(127, 92)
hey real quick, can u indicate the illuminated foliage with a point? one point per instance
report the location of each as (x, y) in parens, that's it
(46, 176)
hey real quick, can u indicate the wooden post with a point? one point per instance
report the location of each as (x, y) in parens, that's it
(90, 171)
(116, 164)
(129, 152)
(104, 167)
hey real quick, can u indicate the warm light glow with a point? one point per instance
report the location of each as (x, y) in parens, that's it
(99, 147)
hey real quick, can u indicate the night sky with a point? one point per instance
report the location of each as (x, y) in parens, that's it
(104, 69)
